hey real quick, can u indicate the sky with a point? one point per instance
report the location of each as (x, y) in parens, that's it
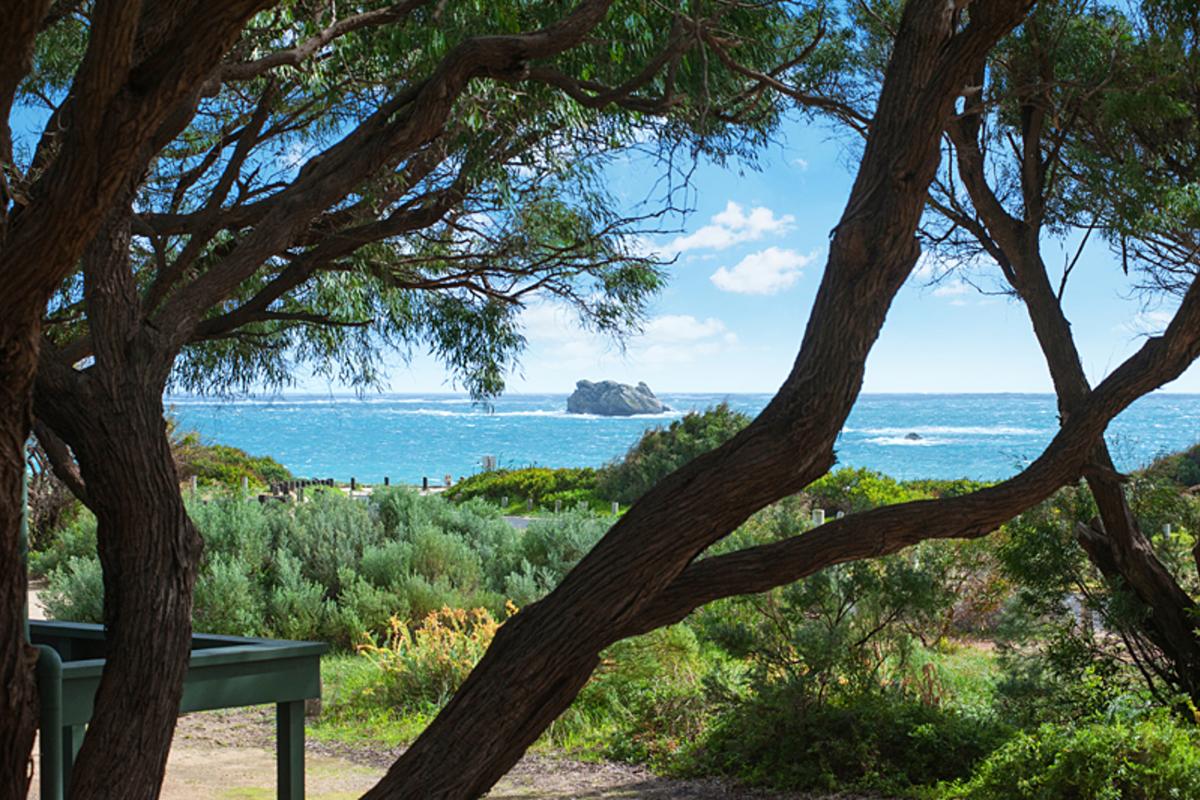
(749, 259)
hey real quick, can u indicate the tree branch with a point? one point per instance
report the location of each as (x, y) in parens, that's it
(294, 56)
(886, 530)
(61, 460)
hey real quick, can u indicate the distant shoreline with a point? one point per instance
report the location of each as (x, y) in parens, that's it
(464, 397)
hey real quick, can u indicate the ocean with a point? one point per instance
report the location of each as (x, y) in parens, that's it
(408, 437)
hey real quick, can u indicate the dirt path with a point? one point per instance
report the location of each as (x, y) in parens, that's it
(228, 755)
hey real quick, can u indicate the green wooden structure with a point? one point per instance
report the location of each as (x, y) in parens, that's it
(223, 672)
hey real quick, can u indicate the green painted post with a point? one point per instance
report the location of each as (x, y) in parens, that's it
(72, 738)
(53, 765)
(289, 750)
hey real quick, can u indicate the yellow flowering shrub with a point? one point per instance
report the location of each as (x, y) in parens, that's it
(424, 665)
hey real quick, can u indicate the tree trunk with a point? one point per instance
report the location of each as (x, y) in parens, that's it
(149, 550)
(18, 690)
(1114, 542)
(111, 415)
(544, 655)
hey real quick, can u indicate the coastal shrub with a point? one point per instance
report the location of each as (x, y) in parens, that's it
(570, 486)
(553, 545)
(333, 568)
(661, 451)
(1182, 469)
(76, 540)
(422, 666)
(220, 465)
(296, 607)
(886, 741)
(846, 679)
(853, 490)
(646, 702)
(76, 590)
(227, 601)
(1066, 628)
(1153, 758)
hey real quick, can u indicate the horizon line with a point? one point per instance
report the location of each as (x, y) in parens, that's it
(705, 392)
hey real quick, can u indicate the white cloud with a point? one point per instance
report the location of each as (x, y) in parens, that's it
(926, 267)
(733, 226)
(952, 289)
(766, 272)
(667, 339)
(800, 162)
(683, 328)
(1147, 323)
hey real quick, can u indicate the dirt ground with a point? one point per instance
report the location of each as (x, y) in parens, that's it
(228, 755)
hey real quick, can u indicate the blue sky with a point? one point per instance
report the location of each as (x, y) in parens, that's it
(749, 261)
(750, 256)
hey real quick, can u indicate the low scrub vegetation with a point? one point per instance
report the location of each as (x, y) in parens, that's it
(339, 569)
(1004, 668)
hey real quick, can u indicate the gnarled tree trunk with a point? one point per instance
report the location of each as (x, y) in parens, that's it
(111, 415)
(543, 656)
(1114, 541)
(149, 550)
(18, 691)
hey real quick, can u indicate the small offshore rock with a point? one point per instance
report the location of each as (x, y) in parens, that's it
(612, 399)
(913, 437)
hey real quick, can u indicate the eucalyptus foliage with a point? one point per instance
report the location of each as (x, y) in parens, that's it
(514, 185)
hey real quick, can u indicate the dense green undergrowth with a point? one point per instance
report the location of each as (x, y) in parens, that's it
(990, 669)
(338, 569)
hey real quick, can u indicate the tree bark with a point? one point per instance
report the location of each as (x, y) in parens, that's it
(543, 656)
(1114, 541)
(111, 415)
(149, 550)
(18, 690)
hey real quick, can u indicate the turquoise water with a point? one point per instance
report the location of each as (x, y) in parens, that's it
(405, 437)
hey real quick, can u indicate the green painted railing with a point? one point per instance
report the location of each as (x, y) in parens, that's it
(223, 672)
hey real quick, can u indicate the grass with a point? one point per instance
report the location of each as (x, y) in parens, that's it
(351, 715)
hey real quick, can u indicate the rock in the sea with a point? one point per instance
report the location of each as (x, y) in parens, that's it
(612, 399)
(913, 437)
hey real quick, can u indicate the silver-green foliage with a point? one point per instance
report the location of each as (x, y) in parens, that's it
(337, 569)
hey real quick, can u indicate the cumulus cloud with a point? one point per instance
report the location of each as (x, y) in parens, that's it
(952, 289)
(733, 226)
(1147, 323)
(801, 163)
(665, 339)
(766, 272)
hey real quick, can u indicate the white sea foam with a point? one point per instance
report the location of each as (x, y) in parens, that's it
(543, 413)
(950, 430)
(904, 441)
(335, 400)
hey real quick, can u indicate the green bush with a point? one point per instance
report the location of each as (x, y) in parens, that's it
(661, 451)
(853, 490)
(76, 590)
(1155, 758)
(540, 485)
(1181, 468)
(335, 569)
(76, 540)
(422, 666)
(227, 600)
(222, 465)
(886, 741)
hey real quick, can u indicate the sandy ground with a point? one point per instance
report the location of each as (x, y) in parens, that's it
(36, 609)
(228, 755)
